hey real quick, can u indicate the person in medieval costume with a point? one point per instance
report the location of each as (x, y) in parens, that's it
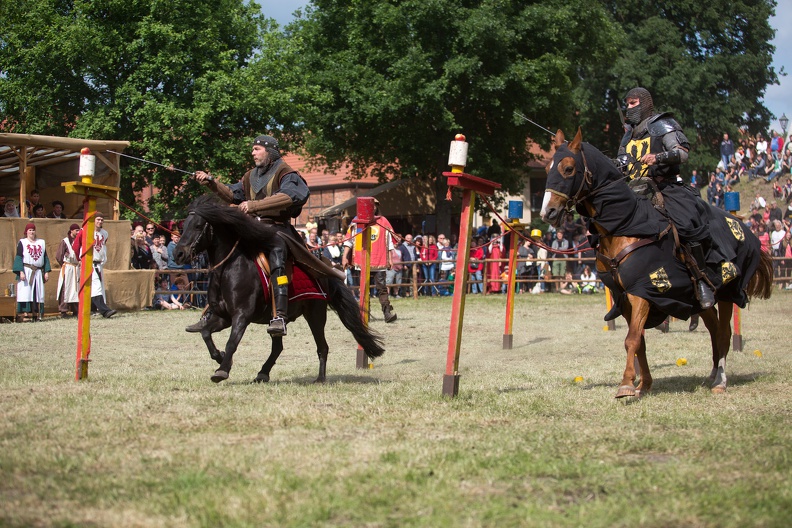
(380, 260)
(32, 267)
(98, 299)
(655, 146)
(274, 193)
(69, 278)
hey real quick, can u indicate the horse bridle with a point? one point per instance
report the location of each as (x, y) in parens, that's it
(211, 233)
(587, 181)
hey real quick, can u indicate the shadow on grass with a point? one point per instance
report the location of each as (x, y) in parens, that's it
(534, 341)
(307, 380)
(689, 384)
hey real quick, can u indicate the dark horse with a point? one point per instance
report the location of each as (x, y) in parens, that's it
(637, 257)
(232, 241)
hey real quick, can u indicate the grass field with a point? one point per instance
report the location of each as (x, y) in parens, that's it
(148, 440)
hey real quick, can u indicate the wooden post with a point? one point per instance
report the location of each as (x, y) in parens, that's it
(91, 191)
(732, 202)
(508, 338)
(470, 185)
(363, 222)
(608, 305)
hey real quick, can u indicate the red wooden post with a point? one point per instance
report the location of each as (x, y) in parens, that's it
(516, 227)
(470, 185)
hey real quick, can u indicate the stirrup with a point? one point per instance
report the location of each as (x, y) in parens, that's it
(277, 327)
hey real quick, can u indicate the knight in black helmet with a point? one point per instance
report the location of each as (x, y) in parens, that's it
(272, 192)
(655, 147)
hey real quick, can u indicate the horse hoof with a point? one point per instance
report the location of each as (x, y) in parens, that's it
(718, 390)
(219, 375)
(261, 378)
(625, 390)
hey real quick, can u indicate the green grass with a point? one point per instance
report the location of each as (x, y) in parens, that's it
(148, 440)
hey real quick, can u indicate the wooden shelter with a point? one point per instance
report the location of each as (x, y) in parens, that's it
(30, 162)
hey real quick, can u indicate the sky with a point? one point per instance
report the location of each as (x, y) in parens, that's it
(778, 98)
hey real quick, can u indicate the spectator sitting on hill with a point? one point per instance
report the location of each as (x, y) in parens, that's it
(776, 145)
(787, 190)
(761, 145)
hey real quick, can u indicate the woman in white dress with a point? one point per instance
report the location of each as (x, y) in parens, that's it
(32, 267)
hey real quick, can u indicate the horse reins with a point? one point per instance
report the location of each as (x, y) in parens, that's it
(198, 239)
(587, 180)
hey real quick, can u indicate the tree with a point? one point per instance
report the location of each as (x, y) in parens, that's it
(708, 63)
(393, 82)
(170, 77)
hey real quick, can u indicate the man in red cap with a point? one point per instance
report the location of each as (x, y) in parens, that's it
(380, 260)
(32, 267)
(69, 278)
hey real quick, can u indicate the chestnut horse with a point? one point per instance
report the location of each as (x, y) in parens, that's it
(637, 257)
(232, 241)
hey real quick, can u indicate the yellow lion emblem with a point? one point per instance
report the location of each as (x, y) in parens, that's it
(736, 229)
(660, 280)
(728, 272)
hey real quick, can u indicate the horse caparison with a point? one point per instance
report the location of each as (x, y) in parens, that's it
(581, 177)
(232, 241)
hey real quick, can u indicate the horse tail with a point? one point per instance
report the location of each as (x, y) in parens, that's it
(342, 300)
(761, 283)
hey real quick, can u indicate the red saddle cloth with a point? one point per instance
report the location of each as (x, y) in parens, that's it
(302, 286)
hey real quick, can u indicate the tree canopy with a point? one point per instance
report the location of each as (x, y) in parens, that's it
(382, 84)
(170, 77)
(395, 81)
(708, 63)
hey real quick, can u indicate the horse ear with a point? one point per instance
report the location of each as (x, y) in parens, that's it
(575, 145)
(559, 138)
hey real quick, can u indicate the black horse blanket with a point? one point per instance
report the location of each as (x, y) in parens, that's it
(654, 273)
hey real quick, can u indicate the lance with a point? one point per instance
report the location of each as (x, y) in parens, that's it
(167, 167)
(521, 116)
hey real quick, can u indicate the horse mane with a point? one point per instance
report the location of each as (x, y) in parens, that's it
(253, 235)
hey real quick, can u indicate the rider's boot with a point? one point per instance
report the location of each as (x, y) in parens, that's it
(198, 326)
(694, 321)
(704, 294)
(387, 311)
(277, 326)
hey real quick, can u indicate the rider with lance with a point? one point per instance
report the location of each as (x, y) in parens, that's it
(655, 147)
(274, 193)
